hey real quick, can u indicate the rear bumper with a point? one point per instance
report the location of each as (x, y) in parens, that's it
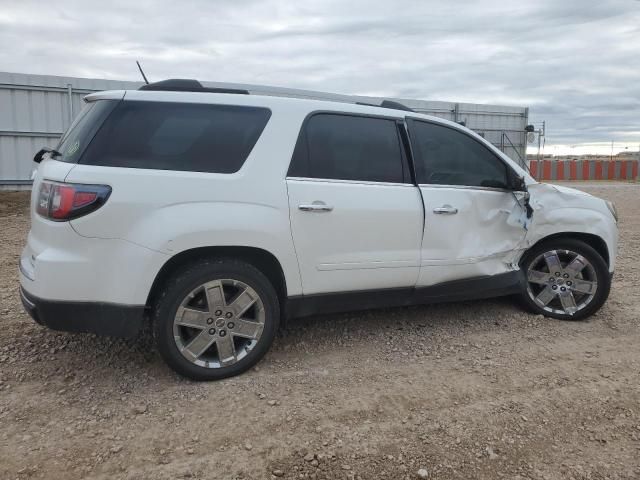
(86, 317)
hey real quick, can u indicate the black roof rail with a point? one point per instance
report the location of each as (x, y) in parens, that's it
(388, 104)
(395, 105)
(187, 85)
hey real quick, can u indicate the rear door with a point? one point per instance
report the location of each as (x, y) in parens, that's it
(356, 218)
(471, 217)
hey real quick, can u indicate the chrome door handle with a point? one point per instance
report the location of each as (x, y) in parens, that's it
(315, 207)
(445, 210)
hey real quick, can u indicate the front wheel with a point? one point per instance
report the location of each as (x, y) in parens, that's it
(565, 279)
(216, 319)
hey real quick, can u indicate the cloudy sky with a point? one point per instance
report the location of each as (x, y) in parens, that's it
(575, 63)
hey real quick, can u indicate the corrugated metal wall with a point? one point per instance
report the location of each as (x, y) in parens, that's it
(35, 110)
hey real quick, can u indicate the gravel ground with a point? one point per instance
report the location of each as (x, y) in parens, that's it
(469, 390)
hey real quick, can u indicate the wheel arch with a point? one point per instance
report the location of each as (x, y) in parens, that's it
(263, 260)
(594, 241)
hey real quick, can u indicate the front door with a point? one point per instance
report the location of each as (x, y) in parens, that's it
(356, 218)
(472, 220)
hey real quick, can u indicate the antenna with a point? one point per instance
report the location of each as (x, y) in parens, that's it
(142, 73)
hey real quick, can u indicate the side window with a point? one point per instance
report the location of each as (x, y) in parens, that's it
(192, 137)
(445, 156)
(346, 147)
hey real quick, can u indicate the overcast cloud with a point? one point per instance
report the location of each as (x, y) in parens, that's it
(575, 63)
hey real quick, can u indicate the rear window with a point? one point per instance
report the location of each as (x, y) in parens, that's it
(79, 134)
(177, 136)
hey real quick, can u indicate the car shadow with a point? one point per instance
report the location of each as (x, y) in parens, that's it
(104, 359)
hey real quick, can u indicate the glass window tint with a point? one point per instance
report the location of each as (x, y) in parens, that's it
(177, 136)
(345, 147)
(445, 156)
(82, 130)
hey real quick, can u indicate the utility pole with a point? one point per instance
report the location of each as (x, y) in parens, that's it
(541, 133)
(611, 159)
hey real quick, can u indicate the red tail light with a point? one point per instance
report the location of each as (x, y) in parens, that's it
(66, 201)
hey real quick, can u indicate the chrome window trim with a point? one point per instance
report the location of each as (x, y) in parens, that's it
(396, 184)
(464, 187)
(350, 182)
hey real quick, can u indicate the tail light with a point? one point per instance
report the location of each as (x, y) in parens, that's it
(65, 201)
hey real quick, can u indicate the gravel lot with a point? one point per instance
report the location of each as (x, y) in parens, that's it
(470, 390)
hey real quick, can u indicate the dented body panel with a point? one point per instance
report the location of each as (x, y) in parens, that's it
(490, 230)
(477, 240)
(558, 209)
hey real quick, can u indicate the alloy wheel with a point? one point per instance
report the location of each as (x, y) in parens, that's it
(219, 323)
(561, 282)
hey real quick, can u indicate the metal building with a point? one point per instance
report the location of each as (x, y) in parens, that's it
(35, 110)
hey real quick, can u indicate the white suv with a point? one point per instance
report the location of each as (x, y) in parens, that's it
(214, 214)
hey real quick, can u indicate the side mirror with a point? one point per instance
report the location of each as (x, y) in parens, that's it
(516, 182)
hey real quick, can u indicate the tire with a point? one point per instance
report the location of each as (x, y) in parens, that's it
(562, 269)
(202, 326)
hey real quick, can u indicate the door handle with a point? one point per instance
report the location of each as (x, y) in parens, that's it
(445, 210)
(315, 207)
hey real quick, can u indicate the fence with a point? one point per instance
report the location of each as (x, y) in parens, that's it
(584, 169)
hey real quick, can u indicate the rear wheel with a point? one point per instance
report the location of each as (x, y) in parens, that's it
(565, 279)
(216, 319)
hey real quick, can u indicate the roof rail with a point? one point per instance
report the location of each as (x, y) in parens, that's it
(388, 104)
(187, 85)
(190, 85)
(395, 105)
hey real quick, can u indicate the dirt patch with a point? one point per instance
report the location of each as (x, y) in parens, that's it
(468, 390)
(14, 203)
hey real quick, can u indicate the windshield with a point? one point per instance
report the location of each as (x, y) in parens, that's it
(82, 130)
